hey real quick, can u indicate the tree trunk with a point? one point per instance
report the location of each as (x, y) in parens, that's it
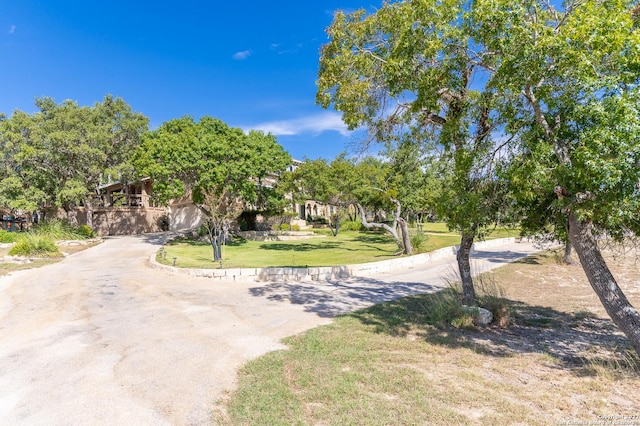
(623, 314)
(89, 207)
(566, 259)
(464, 266)
(216, 246)
(406, 240)
(215, 238)
(334, 230)
(369, 225)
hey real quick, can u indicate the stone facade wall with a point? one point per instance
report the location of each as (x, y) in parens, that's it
(118, 221)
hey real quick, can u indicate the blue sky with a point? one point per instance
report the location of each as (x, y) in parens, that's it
(251, 64)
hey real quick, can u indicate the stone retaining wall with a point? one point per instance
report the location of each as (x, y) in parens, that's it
(323, 273)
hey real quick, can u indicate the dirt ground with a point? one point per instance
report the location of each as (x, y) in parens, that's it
(559, 300)
(591, 366)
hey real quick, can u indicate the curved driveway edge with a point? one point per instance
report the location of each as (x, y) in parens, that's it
(323, 273)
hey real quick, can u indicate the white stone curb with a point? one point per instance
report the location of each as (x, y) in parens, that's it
(323, 273)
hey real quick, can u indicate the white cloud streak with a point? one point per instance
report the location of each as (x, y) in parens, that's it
(314, 124)
(239, 56)
(12, 29)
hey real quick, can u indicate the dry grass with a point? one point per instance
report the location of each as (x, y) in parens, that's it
(560, 360)
(8, 267)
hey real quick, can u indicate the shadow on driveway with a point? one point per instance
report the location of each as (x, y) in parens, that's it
(329, 299)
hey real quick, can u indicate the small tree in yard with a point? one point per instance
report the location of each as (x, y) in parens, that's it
(221, 209)
(219, 167)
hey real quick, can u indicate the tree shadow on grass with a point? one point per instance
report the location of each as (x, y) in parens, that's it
(577, 340)
(373, 238)
(325, 245)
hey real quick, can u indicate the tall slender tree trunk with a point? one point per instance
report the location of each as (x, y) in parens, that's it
(464, 266)
(623, 314)
(566, 258)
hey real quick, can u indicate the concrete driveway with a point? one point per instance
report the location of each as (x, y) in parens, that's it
(101, 338)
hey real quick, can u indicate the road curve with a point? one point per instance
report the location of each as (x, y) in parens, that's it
(102, 338)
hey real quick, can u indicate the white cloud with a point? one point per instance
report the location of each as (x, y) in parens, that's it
(12, 29)
(315, 124)
(239, 56)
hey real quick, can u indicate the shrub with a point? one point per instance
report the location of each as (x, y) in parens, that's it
(7, 237)
(295, 227)
(418, 239)
(202, 231)
(285, 227)
(446, 309)
(492, 297)
(319, 219)
(35, 245)
(57, 229)
(86, 231)
(351, 225)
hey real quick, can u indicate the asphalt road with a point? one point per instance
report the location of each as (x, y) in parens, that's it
(102, 339)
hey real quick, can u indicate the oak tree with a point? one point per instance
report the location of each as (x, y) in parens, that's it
(220, 168)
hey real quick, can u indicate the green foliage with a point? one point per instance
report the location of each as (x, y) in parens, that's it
(57, 229)
(222, 168)
(58, 154)
(406, 73)
(295, 227)
(418, 240)
(35, 245)
(7, 237)
(351, 225)
(285, 227)
(86, 231)
(569, 81)
(446, 310)
(207, 156)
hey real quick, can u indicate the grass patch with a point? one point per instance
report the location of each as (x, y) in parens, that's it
(441, 228)
(6, 268)
(57, 229)
(347, 247)
(7, 237)
(34, 245)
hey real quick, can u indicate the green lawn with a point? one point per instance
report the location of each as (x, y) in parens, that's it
(348, 247)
